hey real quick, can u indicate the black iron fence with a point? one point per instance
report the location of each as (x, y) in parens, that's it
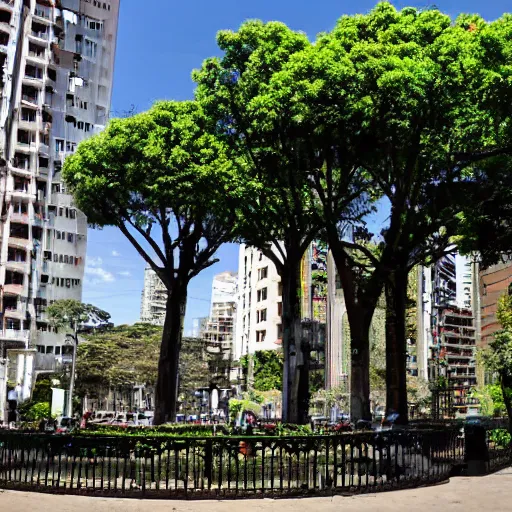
(174, 467)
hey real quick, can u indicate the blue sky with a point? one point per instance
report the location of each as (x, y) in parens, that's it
(159, 43)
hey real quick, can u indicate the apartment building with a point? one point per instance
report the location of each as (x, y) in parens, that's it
(447, 329)
(57, 59)
(219, 330)
(154, 299)
(495, 281)
(259, 311)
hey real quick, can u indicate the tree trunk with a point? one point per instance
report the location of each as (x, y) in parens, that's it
(295, 397)
(360, 369)
(396, 345)
(166, 393)
(360, 308)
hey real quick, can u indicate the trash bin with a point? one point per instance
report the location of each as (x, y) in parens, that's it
(476, 453)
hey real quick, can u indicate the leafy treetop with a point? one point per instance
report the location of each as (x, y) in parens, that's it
(158, 168)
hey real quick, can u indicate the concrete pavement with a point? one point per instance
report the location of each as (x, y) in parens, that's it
(462, 494)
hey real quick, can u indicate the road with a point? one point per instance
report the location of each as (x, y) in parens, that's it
(463, 494)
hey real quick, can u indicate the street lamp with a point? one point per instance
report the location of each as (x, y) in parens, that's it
(74, 340)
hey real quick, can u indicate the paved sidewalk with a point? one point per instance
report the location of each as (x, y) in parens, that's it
(493, 492)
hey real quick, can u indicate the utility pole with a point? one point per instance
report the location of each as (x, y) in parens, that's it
(74, 337)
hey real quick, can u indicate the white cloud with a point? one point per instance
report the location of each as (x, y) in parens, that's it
(115, 253)
(125, 273)
(94, 262)
(101, 274)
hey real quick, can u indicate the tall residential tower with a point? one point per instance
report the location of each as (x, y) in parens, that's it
(57, 59)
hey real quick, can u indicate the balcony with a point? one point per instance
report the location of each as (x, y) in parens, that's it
(43, 14)
(44, 149)
(21, 194)
(18, 266)
(32, 100)
(13, 334)
(39, 35)
(20, 243)
(13, 289)
(16, 313)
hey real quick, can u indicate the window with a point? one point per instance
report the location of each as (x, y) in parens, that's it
(262, 295)
(58, 235)
(260, 336)
(261, 315)
(261, 255)
(59, 145)
(72, 214)
(61, 211)
(279, 331)
(61, 258)
(80, 125)
(280, 289)
(279, 309)
(90, 49)
(70, 237)
(56, 258)
(49, 350)
(66, 258)
(57, 350)
(262, 273)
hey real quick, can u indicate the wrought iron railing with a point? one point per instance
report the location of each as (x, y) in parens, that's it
(228, 466)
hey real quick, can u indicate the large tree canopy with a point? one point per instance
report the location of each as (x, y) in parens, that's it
(164, 181)
(410, 104)
(279, 215)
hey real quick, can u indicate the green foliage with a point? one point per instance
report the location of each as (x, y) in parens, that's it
(491, 401)
(268, 369)
(161, 430)
(43, 389)
(194, 371)
(35, 411)
(70, 313)
(121, 356)
(334, 397)
(418, 391)
(501, 437)
(160, 168)
(128, 354)
(238, 406)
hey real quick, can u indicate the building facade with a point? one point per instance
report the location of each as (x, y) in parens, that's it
(259, 310)
(154, 299)
(495, 281)
(219, 331)
(447, 327)
(57, 60)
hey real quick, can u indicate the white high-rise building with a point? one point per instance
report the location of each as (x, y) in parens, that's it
(57, 63)
(154, 299)
(446, 341)
(259, 311)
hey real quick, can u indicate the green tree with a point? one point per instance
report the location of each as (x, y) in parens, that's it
(498, 357)
(405, 104)
(118, 357)
(73, 315)
(485, 222)
(267, 369)
(128, 354)
(279, 214)
(163, 180)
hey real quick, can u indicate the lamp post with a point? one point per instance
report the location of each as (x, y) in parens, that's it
(74, 338)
